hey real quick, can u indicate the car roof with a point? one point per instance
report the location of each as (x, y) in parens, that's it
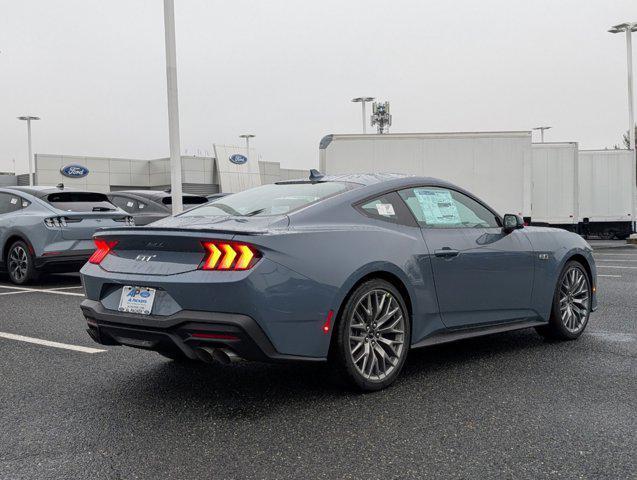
(392, 180)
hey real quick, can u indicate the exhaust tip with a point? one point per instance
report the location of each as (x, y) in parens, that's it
(225, 356)
(205, 355)
(216, 355)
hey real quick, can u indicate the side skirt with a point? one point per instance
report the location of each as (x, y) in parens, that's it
(446, 336)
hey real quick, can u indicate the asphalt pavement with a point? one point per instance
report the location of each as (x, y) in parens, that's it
(505, 406)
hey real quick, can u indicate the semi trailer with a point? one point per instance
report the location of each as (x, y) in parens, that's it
(554, 185)
(607, 191)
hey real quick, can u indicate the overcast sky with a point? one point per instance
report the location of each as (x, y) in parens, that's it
(94, 70)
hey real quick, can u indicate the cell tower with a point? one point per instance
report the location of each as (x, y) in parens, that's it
(381, 116)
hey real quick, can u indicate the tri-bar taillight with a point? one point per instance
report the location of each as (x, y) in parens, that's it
(104, 247)
(222, 255)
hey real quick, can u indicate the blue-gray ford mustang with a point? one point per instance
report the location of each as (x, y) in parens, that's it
(354, 270)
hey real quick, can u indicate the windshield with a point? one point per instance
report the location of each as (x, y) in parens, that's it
(274, 199)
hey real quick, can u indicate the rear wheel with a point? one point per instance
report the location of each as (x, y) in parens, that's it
(20, 263)
(571, 304)
(372, 336)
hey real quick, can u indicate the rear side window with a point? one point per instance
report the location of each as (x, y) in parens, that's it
(126, 204)
(436, 207)
(80, 201)
(11, 203)
(388, 207)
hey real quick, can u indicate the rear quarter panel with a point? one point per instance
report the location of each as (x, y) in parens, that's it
(328, 261)
(28, 224)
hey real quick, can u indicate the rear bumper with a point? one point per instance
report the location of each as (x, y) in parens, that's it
(174, 333)
(63, 261)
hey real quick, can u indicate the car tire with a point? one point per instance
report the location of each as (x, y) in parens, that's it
(382, 335)
(571, 304)
(20, 263)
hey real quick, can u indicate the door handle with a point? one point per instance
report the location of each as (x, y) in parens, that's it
(446, 252)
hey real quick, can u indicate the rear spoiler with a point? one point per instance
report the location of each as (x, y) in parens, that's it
(192, 231)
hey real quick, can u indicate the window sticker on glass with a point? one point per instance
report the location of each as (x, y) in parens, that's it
(385, 209)
(141, 206)
(438, 206)
(129, 204)
(14, 201)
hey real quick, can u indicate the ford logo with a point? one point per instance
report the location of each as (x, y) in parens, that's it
(74, 171)
(238, 159)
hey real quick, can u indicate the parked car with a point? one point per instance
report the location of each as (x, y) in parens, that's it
(352, 269)
(51, 228)
(147, 206)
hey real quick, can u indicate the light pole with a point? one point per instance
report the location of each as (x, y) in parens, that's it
(629, 28)
(541, 129)
(173, 106)
(28, 119)
(363, 101)
(247, 136)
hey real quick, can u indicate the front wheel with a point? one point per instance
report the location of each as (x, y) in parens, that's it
(20, 263)
(571, 304)
(372, 336)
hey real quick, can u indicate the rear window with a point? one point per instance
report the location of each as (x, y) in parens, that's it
(273, 199)
(185, 200)
(80, 201)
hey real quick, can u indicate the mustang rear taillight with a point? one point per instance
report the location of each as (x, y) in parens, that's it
(104, 247)
(229, 256)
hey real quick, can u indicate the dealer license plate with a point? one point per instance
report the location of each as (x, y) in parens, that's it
(137, 300)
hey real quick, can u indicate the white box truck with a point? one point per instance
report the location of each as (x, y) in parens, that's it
(554, 185)
(607, 193)
(495, 166)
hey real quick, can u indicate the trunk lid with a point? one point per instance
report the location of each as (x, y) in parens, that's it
(173, 245)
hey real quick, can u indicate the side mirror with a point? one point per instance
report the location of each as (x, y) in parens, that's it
(512, 222)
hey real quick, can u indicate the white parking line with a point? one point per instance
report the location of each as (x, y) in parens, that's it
(42, 290)
(14, 293)
(47, 343)
(614, 276)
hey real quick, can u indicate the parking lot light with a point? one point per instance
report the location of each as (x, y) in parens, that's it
(363, 101)
(628, 28)
(247, 136)
(28, 119)
(173, 107)
(541, 129)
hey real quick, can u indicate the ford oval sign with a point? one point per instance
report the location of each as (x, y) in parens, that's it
(74, 171)
(238, 159)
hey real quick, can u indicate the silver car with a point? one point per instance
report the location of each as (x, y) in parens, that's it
(147, 206)
(51, 228)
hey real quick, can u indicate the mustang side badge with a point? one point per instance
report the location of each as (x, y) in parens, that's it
(543, 256)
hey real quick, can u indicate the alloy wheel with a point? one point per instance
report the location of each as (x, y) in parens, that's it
(377, 334)
(18, 263)
(574, 298)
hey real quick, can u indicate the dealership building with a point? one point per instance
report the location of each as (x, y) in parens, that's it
(231, 170)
